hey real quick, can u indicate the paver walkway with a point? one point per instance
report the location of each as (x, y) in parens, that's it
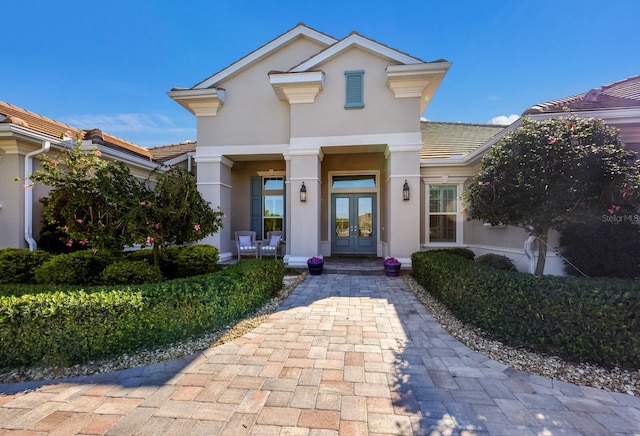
(345, 354)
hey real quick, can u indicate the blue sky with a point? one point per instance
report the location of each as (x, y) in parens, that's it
(109, 64)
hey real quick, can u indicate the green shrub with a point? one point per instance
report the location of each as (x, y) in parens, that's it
(602, 249)
(64, 328)
(77, 268)
(496, 261)
(587, 319)
(18, 265)
(133, 272)
(462, 252)
(194, 260)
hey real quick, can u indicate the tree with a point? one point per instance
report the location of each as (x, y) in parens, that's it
(94, 202)
(177, 213)
(100, 204)
(549, 174)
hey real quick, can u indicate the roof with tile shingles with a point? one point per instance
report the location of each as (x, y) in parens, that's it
(621, 94)
(47, 126)
(164, 153)
(442, 140)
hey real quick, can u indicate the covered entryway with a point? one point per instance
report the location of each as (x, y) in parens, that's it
(353, 223)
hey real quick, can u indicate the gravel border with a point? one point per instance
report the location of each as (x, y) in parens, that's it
(613, 380)
(585, 374)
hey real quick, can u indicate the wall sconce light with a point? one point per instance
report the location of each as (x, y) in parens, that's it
(303, 193)
(405, 191)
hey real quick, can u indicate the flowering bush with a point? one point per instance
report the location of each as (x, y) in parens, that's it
(391, 261)
(315, 260)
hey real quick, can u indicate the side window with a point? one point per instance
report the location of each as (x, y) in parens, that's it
(273, 204)
(443, 209)
(354, 85)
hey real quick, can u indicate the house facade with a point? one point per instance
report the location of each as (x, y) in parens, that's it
(322, 138)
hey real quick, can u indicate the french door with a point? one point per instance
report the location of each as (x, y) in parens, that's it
(353, 222)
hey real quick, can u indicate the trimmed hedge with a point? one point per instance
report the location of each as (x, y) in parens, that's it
(64, 328)
(496, 261)
(133, 272)
(18, 265)
(77, 268)
(596, 320)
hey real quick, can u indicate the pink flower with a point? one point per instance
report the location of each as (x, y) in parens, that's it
(98, 153)
(156, 226)
(54, 162)
(553, 141)
(84, 241)
(196, 227)
(624, 193)
(69, 243)
(613, 209)
(79, 221)
(143, 203)
(25, 187)
(94, 251)
(149, 240)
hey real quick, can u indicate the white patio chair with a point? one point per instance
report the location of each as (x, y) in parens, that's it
(246, 243)
(271, 246)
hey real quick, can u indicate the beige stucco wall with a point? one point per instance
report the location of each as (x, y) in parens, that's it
(11, 196)
(252, 112)
(382, 112)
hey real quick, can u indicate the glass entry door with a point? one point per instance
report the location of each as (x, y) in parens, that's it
(353, 222)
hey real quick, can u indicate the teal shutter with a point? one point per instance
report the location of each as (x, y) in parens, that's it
(354, 81)
(256, 206)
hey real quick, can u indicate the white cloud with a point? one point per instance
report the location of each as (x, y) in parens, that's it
(139, 128)
(423, 119)
(504, 119)
(133, 122)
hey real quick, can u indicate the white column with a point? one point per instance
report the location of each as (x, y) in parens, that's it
(214, 183)
(403, 216)
(303, 228)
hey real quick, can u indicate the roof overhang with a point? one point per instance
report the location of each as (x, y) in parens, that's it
(299, 31)
(200, 102)
(300, 87)
(28, 135)
(355, 40)
(417, 80)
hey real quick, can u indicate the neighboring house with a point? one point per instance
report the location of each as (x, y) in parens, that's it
(25, 135)
(617, 103)
(339, 120)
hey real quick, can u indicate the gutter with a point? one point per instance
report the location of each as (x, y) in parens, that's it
(28, 195)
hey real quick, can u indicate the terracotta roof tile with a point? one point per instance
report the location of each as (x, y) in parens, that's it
(50, 127)
(442, 140)
(164, 153)
(621, 94)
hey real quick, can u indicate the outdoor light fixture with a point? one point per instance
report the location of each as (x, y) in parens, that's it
(405, 191)
(303, 193)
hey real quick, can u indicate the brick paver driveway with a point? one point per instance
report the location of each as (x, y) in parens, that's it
(345, 354)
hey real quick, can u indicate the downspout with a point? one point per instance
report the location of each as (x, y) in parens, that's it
(189, 157)
(28, 195)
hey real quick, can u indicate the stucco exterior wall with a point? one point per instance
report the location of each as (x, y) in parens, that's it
(252, 114)
(11, 198)
(382, 112)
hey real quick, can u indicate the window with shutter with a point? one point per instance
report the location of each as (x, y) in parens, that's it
(354, 81)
